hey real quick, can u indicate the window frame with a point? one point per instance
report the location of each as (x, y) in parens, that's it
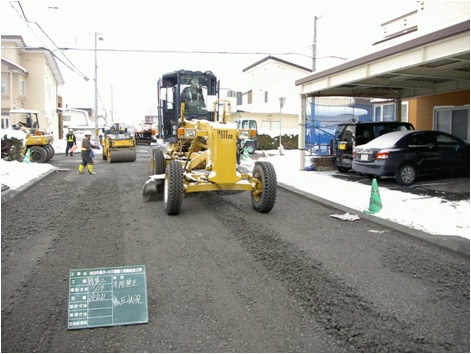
(4, 85)
(443, 120)
(22, 87)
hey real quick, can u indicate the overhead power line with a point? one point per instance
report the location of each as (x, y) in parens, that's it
(168, 51)
(71, 65)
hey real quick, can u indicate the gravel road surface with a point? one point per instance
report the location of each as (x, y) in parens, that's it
(220, 276)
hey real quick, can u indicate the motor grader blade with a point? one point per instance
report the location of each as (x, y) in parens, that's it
(150, 190)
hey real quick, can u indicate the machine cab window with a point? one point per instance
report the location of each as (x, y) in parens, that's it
(185, 93)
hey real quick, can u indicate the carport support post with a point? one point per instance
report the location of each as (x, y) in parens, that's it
(398, 109)
(302, 133)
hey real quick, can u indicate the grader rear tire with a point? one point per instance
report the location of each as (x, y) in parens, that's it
(173, 190)
(264, 201)
(158, 168)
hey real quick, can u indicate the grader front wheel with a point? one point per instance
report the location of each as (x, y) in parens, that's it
(173, 190)
(264, 194)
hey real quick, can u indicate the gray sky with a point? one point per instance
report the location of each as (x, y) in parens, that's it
(139, 34)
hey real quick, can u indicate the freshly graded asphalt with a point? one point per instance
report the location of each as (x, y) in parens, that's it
(456, 244)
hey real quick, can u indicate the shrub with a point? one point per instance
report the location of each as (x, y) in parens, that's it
(266, 142)
(11, 149)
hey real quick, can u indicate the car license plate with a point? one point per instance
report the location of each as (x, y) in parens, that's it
(364, 157)
(342, 146)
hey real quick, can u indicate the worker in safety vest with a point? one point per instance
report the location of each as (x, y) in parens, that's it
(86, 154)
(71, 142)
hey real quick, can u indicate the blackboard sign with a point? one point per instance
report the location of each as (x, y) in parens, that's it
(101, 297)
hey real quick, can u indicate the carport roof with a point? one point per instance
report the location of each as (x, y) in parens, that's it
(434, 63)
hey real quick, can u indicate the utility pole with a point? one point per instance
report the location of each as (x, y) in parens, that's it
(96, 88)
(112, 108)
(314, 44)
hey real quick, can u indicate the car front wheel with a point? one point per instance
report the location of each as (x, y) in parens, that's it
(406, 175)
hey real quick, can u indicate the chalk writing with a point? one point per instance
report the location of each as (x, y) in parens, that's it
(97, 288)
(134, 299)
(107, 296)
(96, 296)
(95, 280)
(124, 283)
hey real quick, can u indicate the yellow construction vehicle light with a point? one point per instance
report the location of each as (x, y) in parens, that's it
(253, 133)
(186, 133)
(190, 133)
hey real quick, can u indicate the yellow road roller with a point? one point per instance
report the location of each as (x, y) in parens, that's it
(118, 145)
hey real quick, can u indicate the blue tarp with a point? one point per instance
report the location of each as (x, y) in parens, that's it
(322, 121)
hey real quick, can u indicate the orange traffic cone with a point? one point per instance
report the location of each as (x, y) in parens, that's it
(375, 198)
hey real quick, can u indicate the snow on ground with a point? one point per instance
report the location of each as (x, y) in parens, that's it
(429, 214)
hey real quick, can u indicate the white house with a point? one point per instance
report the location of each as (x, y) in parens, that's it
(264, 83)
(30, 80)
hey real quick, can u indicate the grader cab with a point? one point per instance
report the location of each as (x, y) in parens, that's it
(205, 158)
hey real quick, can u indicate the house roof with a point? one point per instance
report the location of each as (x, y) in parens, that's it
(434, 63)
(278, 60)
(15, 67)
(50, 57)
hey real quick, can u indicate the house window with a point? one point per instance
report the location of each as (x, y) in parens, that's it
(405, 112)
(5, 122)
(452, 120)
(4, 85)
(249, 97)
(239, 98)
(387, 112)
(22, 87)
(266, 96)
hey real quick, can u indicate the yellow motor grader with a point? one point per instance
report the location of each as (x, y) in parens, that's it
(38, 141)
(118, 145)
(205, 156)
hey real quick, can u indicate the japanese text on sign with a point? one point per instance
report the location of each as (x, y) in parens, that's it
(101, 297)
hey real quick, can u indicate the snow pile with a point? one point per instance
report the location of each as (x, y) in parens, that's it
(15, 174)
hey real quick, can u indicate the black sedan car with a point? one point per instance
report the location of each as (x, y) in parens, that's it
(405, 155)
